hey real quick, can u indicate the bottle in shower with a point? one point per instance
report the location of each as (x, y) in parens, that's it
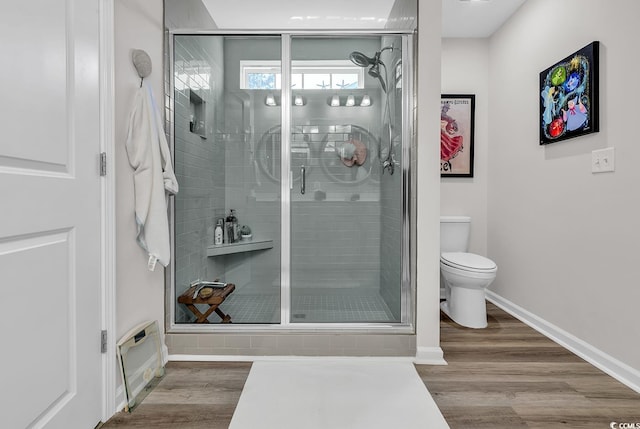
(232, 226)
(236, 227)
(218, 233)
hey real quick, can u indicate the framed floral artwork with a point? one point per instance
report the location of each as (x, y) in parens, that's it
(569, 96)
(456, 134)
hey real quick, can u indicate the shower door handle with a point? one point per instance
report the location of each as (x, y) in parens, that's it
(303, 179)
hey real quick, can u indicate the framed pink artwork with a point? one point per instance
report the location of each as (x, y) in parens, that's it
(456, 135)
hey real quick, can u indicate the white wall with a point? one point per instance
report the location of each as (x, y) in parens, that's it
(427, 197)
(403, 15)
(465, 70)
(566, 240)
(140, 293)
(187, 14)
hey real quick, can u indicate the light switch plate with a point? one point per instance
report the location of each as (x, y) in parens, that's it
(602, 160)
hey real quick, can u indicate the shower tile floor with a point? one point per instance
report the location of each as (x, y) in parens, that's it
(315, 307)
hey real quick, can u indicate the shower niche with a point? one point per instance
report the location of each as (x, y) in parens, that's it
(197, 115)
(310, 146)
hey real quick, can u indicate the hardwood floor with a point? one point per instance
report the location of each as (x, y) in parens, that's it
(508, 375)
(192, 395)
(504, 376)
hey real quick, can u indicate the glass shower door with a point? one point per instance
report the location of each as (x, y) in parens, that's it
(227, 145)
(310, 157)
(346, 215)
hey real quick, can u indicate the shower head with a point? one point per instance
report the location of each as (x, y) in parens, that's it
(374, 71)
(361, 60)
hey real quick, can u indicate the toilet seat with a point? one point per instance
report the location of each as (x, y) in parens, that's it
(468, 262)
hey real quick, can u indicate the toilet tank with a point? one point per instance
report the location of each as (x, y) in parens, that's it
(454, 233)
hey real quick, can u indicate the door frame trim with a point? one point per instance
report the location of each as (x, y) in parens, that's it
(107, 202)
(286, 184)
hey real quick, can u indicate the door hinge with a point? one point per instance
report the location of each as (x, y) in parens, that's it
(103, 164)
(103, 341)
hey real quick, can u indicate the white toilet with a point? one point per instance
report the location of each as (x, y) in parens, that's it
(465, 276)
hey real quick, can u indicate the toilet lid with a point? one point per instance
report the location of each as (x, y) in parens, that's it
(468, 261)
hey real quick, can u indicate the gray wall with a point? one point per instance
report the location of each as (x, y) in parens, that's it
(335, 242)
(255, 198)
(199, 159)
(391, 197)
(566, 240)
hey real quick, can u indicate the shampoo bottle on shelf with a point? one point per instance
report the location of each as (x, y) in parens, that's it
(236, 227)
(232, 227)
(218, 233)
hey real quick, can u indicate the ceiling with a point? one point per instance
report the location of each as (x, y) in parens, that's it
(299, 14)
(475, 18)
(460, 18)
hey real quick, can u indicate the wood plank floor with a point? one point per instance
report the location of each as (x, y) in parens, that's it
(509, 375)
(192, 395)
(504, 376)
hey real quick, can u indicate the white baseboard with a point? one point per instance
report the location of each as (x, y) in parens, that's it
(165, 354)
(429, 356)
(619, 370)
(120, 401)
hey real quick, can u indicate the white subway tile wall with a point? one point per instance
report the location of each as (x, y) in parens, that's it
(199, 162)
(391, 200)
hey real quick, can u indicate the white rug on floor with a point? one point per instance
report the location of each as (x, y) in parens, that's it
(335, 394)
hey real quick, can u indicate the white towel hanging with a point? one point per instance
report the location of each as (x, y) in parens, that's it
(154, 178)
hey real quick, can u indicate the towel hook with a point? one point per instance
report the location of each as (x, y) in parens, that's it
(142, 63)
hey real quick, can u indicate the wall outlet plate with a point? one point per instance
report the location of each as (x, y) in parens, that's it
(602, 160)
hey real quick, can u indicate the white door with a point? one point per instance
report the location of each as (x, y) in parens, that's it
(50, 363)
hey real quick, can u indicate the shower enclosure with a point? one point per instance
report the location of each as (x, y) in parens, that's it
(306, 137)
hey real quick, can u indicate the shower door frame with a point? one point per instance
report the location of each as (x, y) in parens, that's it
(407, 287)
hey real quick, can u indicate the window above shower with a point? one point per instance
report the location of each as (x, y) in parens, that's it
(305, 74)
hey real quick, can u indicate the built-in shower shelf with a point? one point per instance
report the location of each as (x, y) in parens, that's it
(240, 247)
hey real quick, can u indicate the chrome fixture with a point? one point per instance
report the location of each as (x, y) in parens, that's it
(374, 63)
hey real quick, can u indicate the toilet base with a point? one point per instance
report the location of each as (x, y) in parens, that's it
(466, 307)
